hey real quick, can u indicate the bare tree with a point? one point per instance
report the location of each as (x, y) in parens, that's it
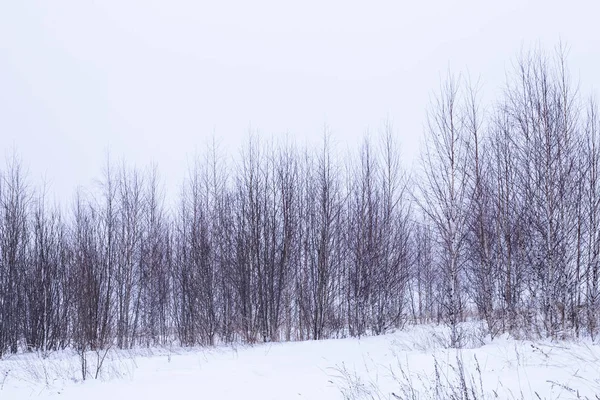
(392, 275)
(591, 211)
(14, 238)
(543, 112)
(481, 237)
(443, 196)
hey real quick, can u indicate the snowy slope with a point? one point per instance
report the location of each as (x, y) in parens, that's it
(373, 367)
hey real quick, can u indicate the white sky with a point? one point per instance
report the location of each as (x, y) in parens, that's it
(152, 80)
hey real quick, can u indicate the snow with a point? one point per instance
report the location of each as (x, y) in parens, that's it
(372, 367)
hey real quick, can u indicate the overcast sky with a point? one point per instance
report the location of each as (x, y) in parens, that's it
(153, 80)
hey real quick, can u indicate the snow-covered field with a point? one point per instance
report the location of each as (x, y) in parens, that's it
(408, 364)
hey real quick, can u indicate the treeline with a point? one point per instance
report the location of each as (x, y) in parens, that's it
(500, 224)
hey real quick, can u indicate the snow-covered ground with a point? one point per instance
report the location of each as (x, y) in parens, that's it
(399, 365)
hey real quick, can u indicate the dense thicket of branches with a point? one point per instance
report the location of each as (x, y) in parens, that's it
(287, 243)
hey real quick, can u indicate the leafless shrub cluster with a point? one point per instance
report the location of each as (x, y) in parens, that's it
(294, 243)
(512, 199)
(278, 246)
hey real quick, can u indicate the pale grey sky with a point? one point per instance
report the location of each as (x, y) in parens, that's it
(152, 80)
